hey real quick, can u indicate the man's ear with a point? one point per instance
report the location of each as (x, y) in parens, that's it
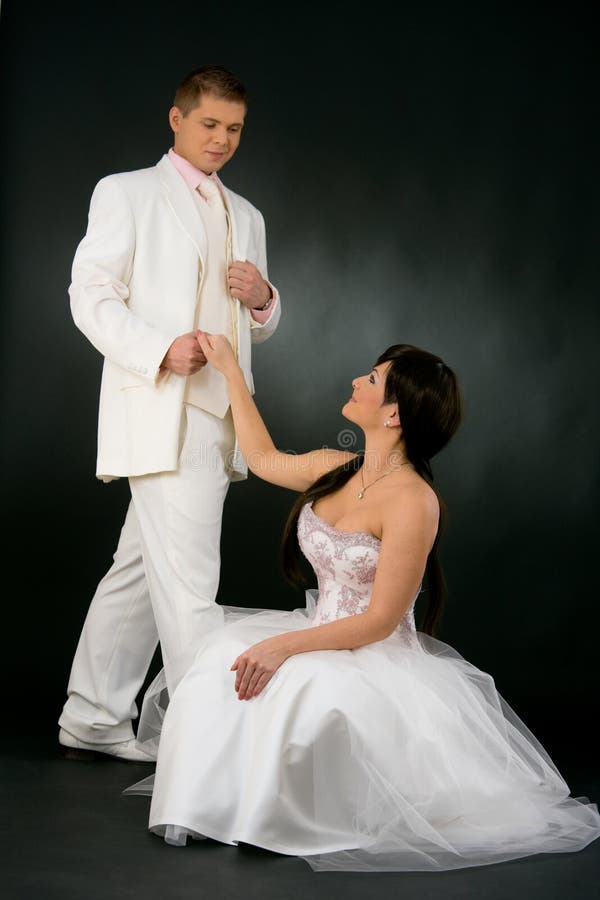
(175, 117)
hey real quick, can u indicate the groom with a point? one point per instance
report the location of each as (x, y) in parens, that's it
(168, 250)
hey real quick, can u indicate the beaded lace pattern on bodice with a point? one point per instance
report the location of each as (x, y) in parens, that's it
(345, 563)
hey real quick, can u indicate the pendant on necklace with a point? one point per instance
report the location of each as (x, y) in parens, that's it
(360, 495)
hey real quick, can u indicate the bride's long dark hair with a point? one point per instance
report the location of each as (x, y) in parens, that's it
(430, 410)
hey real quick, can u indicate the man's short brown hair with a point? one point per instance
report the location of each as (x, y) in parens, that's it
(215, 80)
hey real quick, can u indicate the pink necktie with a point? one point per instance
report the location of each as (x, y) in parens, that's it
(210, 191)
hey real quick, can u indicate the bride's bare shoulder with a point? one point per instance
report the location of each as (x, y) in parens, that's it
(411, 505)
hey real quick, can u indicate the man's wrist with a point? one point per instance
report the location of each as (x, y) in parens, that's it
(267, 302)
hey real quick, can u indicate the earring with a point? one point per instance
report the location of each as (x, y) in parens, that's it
(387, 423)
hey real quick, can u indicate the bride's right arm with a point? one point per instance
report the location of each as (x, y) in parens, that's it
(296, 471)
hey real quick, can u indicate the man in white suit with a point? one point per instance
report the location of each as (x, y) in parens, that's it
(168, 250)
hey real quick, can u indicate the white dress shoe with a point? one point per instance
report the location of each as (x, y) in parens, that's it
(127, 751)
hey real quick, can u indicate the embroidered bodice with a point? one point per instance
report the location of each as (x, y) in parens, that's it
(345, 563)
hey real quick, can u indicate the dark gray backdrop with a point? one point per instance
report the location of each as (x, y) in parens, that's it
(431, 180)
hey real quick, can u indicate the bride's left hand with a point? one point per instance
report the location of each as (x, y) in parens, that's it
(256, 666)
(218, 351)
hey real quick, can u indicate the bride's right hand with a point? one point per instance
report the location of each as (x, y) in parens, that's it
(218, 351)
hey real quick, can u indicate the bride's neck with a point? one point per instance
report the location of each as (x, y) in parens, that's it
(383, 452)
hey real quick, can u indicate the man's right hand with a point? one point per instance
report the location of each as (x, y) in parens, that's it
(184, 356)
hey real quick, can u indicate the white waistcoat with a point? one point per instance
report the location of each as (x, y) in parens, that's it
(216, 310)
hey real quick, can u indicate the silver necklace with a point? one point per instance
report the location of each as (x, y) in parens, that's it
(361, 493)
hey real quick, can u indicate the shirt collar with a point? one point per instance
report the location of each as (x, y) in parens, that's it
(189, 172)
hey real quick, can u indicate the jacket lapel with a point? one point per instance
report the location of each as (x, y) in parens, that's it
(181, 203)
(240, 224)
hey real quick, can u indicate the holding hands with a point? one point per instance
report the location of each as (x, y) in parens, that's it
(186, 354)
(190, 352)
(218, 351)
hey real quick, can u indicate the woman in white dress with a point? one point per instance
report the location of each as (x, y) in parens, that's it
(339, 733)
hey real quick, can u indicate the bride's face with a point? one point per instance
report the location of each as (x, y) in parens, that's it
(365, 406)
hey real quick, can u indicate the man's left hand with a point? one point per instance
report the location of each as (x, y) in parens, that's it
(247, 285)
(256, 666)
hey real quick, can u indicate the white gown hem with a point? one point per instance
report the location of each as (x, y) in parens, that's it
(213, 835)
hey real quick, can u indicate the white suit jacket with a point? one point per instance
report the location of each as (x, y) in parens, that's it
(134, 290)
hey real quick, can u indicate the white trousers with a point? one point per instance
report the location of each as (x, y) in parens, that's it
(162, 584)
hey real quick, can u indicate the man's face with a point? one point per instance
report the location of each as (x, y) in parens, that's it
(209, 135)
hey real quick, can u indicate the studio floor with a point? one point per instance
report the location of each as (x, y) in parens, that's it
(69, 834)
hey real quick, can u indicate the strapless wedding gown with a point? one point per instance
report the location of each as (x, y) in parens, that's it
(399, 755)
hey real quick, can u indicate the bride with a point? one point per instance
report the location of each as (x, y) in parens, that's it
(339, 733)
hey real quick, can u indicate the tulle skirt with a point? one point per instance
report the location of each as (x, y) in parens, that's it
(399, 755)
